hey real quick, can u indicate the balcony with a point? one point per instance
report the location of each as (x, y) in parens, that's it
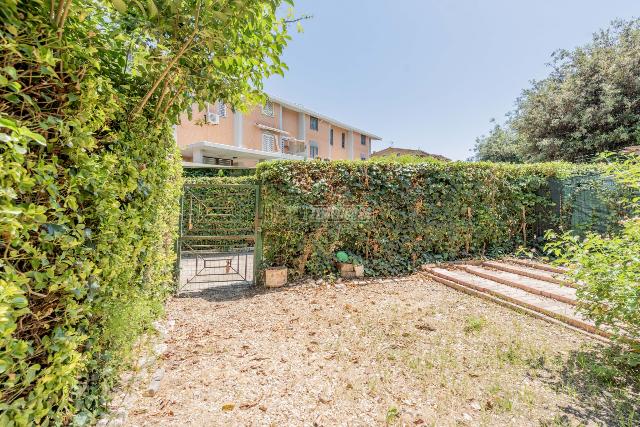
(294, 147)
(204, 151)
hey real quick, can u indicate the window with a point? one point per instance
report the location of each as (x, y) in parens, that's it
(313, 149)
(343, 139)
(313, 123)
(363, 140)
(268, 142)
(217, 161)
(222, 109)
(267, 109)
(330, 136)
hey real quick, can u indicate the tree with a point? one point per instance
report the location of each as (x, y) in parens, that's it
(590, 102)
(501, 145)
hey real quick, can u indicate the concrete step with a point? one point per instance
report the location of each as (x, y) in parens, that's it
(461, 279)
(531, 272)
(538, 265)
(554, 291)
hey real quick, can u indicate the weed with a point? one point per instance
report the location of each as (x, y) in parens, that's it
(503, 404)
(392, 415)
(474, 324)
(629, 419)
(528, 397)
(510, 354)
(598, 372)
(372, 386)
(499, 400)
(419, 365)
(557, 421)
(495, 389)
(537, 362)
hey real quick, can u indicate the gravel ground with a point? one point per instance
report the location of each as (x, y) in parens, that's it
(386, 352)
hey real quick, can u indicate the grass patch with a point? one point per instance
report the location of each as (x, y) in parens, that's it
(474, 324)
(499, 400)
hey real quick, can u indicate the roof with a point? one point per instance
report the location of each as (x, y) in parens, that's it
(392, 151)
(634, 149)
(301, 109)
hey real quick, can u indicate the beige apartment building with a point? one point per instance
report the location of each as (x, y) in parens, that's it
(279, 129)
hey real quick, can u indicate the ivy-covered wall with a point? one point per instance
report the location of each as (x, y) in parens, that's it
(398, 216)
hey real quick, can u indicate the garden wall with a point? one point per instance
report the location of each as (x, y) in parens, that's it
(398, 216)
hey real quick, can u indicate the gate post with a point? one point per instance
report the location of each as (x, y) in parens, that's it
(257, 258)
(177, 268)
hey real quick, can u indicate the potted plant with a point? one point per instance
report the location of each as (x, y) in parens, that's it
(349, 265)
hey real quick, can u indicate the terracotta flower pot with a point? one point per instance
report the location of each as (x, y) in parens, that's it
(275, 277)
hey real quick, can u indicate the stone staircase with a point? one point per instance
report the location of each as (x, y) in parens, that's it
(527, 286)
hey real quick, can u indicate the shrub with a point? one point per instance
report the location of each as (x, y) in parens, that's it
(396, 216)
(608, 266)
(214, 172)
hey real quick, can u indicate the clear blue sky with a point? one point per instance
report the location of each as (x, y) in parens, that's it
(430, 74)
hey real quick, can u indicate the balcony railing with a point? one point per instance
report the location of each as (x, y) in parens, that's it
(294, 147)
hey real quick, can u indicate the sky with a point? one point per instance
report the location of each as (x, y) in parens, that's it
(430, 74)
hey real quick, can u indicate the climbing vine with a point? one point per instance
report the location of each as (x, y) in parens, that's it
(397, 216)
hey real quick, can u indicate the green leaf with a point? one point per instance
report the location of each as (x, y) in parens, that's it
(34, 136)
(11, 211)
(152, 10)
(4, 122)
(119, 5)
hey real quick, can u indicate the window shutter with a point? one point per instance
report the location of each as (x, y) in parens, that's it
(222, 109)
(268, 142)
(267, 109)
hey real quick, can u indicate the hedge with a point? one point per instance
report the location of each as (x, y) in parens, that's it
(90, 177)
(217, 172)
(88, 261)
(88, 219)
(398, 216)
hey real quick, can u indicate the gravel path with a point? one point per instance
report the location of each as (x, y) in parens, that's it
(388, 352)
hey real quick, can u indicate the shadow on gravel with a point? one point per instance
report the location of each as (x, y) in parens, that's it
(229, 292)
(605, 391)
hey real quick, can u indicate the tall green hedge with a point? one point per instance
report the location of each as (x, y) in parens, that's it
(87, 262)
(90, 177)
(397, 216)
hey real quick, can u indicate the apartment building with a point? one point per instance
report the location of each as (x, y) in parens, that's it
(279, 129)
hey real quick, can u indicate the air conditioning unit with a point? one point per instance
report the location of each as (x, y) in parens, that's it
(213, 119)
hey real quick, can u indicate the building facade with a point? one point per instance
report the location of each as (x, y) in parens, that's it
(279, 129)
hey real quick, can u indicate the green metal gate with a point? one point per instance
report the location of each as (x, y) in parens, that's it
(220, 241)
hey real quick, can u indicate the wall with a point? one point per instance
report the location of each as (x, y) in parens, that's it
(358, 148)
(290, 121)
(340, 153)
(195, 130)
(252, 134)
